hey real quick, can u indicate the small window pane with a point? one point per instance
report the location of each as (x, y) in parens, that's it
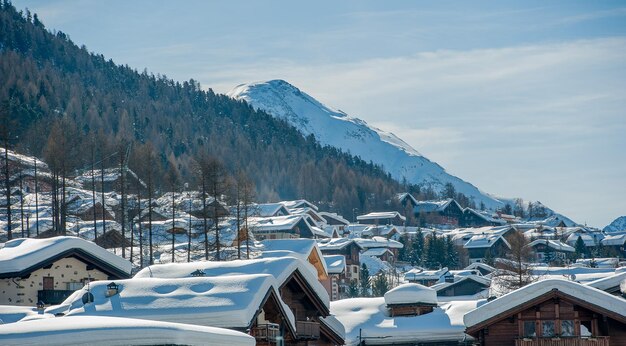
(567, 328)
(548, 328)
(529, 329)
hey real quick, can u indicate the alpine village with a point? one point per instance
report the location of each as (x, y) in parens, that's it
(140, 210)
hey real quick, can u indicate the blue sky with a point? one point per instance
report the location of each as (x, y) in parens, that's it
(520, 98)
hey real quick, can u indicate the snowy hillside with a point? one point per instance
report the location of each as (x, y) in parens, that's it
(338, 129)
(617, 225)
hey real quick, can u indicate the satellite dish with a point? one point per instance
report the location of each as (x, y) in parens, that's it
(87, 298)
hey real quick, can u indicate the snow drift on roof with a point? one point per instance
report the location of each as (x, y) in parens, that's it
(410, 294)
(20, 254)
(371, 317)
(226, 301)
(91, 330)
(336, 264)
(279, 268)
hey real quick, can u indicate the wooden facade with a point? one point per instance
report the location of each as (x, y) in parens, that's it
(415, 309)
(463, 287)
(552, 319)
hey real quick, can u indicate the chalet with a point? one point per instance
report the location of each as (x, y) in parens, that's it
(381, 253)
(112, 179)
(337, 285)
(300, 203)
(296, 282)
(336, 222)
(49, 270)
(615, 242)
(407, 200)
(350, 249)
(313, 216)
(426, 277)
(483, 268)
(548, 251)
(551, 312)
(284, 227)
(410, 300)
(479, 245)
(380, 242)
(382, 218)
(265, 210)
(470, 285)
(475, 218)
(446, 212)
(387, 231)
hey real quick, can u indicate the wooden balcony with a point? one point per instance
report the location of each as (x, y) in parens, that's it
(596, 341)
(266, 332)
(50, 297)
(308, 330)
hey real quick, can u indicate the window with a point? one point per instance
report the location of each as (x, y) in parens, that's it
(567, 328)
(547, 328)
(529, 329)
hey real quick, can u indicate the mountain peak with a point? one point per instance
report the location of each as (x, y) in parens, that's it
(337, 129)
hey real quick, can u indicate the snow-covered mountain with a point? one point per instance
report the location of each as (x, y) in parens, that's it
(336, 128)
(617, 225)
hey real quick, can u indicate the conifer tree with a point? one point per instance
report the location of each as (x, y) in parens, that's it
(381, 285)
(581, 249)
(364, 280)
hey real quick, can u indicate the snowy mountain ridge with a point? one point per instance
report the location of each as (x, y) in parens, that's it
(617, 225)
(336, 128)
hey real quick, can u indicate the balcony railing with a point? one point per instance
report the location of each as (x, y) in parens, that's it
(574, 341)
(308, 330)
(266, 332)
(53, 296)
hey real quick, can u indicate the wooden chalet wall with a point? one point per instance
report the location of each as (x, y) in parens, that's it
(510, 330)
(463, 288)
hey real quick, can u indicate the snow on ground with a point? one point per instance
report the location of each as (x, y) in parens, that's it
(370, 317)
(89, 330)
(14, 313)
(20, 254)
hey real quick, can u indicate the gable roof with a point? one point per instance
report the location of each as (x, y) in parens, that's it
(383, 215)
(267, 209)
(336, 264)
(336, 244)
(527, 295)
(485, 241)
(374, 242)
(299, 203)
(458, 280)
(554, 244)
(609, 284)
(434, 206)
(280, 268)
(19, 257)
(302, 248)
(334, 216)
(223, 301)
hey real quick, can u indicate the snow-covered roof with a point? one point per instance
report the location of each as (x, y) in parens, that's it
(368, 319)
(334, 216)
(375, 242)
(336, 243)
(477, 265)
(273, 224)
(554, 244)
(14, 313)
(614, 240)
(299, 203)
(280, 268)
(222, 301)
(300, 247)
(410, 294)
(91, 330)
(590, 239)
(419, 274)
(375, 265)
(19, 255)
(432, 206)
(608, 282)
(458, 279)
(527, 293)
(485, 216)
(401, 196)
(484, 241)
(336, 264)
(381, 216)
(110, 175)
(377, 252)
(267, 209)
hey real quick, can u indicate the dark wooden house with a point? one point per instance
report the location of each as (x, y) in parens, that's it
(447, 212)
(550, 313)
(465, 286)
